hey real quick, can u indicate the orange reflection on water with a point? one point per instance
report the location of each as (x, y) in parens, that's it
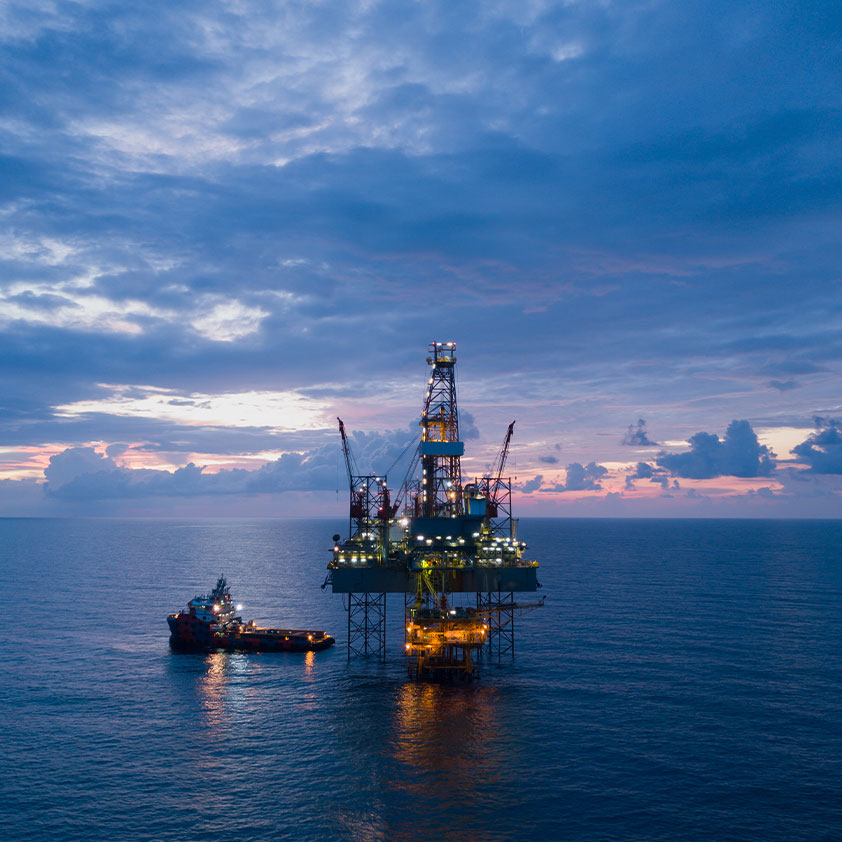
(221, 690)
(449, 738)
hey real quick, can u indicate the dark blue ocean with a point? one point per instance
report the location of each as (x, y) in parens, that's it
(683, 682)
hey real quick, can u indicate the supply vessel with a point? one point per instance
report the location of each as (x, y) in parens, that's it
(213, 622)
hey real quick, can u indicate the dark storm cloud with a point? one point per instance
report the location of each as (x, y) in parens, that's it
(636, 435)
(822, 450)
(739, 454)
(362, 180)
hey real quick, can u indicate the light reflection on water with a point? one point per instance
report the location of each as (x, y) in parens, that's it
(444, 735)
(221, 688)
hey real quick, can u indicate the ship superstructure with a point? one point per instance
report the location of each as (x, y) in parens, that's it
(440, 543)
(213, 622)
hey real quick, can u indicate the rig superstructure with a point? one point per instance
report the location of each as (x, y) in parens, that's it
(439, 539)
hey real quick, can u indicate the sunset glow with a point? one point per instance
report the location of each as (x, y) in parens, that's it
(264, 217)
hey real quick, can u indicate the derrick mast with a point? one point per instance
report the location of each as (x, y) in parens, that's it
(440, 494)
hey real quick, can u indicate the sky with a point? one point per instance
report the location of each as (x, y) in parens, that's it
(224, 224)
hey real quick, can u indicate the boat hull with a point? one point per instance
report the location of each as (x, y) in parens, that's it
(188, 633)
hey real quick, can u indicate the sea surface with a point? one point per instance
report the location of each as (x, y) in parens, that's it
(683, 682)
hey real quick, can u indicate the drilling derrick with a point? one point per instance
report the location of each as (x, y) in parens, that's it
(450, 542)
(441, 450)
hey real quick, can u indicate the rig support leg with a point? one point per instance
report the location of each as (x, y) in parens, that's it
(501, 622)
(367, 624)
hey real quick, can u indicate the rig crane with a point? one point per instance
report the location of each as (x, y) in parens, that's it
(350, 465)
(495, 483)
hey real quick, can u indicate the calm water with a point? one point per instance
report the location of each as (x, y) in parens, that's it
(682, 682)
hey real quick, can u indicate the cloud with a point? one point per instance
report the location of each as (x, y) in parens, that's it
(738, 455)
(467, 426)
(643, 470)
(251, 207)
(822, 450)
(532, 485)
(782, 385)
(82, 473)
(44, 301)
(74, 462)
(548, 459)
(636, 435)
(585, 478)
(580, 478)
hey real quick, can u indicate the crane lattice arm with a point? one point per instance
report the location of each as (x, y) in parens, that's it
(500, 464)
(350, 465)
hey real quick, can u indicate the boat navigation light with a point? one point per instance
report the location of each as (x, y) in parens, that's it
(239, 608)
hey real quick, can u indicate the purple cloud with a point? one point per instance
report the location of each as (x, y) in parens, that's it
(822, 450)
(738, 455)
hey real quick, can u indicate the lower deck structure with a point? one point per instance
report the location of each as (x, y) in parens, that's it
(440, 641)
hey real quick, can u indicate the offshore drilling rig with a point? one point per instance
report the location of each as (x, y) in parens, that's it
(439, 542)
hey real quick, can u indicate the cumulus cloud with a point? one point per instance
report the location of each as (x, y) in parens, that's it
(739, 455)
(822, 450)
(643, 470)
(580, 478)
(636, 435)
(82, 473)
(467, 426)
(532, 485)
(75, 462)
(584, 478)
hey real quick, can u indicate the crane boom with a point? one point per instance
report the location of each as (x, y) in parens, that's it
(500, 464)
(350, 467)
